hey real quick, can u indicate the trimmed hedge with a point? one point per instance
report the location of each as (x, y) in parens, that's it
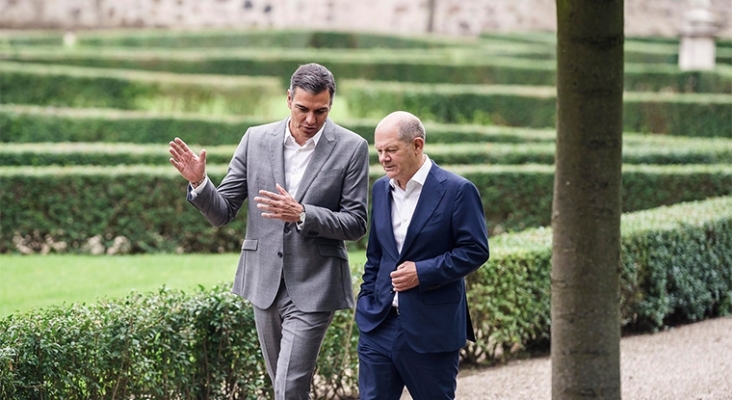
(231, 38)
(55, 85)
(29, 124)
(641, 49)
(61, 208)
(457, 66)
(34, 124)
(685, 151)
(677, 266)
(706, 115)
(155, 346)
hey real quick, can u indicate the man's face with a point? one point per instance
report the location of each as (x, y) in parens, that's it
(308, 112)
(400, 159)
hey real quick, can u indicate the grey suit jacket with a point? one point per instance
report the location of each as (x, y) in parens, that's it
(312, 261)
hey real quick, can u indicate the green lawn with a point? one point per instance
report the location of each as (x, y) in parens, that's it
(28, 282)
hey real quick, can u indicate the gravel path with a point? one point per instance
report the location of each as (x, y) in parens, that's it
(690, 362)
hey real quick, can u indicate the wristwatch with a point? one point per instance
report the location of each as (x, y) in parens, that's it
(302, 216)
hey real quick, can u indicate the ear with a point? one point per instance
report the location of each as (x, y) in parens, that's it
(289, 99)
(418, 144)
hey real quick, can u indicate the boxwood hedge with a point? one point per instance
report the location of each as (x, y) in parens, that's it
(686, 114)
(229, 38)
(28, 124)
(61, 208)
(59, 85)
(454, 65)
(676, 266)
(696, 151)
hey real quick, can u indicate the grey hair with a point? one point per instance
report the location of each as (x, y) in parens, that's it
(314, 79)
(411, 128)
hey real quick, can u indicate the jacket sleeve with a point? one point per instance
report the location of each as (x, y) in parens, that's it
(220, 205)
(469, 238)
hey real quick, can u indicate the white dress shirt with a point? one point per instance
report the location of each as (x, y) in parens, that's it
(296, 160)
(403, 204)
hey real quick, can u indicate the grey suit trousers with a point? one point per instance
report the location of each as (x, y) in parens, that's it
(290, 341)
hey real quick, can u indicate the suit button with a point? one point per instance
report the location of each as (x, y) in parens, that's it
(279, 254)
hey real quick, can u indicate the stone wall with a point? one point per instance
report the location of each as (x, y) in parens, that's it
(452, 17)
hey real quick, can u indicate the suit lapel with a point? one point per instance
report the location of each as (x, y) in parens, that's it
(429, 199)
(277, 153)
(320, 156)
(382, 206)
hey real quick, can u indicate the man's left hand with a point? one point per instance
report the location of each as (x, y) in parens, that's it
(405, 277)
(280, 205)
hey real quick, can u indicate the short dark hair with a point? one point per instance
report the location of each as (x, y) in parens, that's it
(313, 78)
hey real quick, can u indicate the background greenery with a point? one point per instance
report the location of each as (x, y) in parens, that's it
(84, 171)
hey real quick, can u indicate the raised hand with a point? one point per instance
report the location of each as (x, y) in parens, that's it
(191, 166)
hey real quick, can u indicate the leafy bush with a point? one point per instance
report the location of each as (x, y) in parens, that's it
(453, 65)
(159, 346)
(29, 124)
(65, 209)
(56, 85)
(534, 106)
(226, 38)
(677, 266)
(696, 151)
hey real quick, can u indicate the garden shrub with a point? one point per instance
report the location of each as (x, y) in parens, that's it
(676, 267)
(696, 151)
(29, 124)
(453, 65)
(60, 209)
(686, 114)
(58, 85)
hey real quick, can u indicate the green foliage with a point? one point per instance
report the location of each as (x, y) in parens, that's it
(134, 90)
(441, 65)
(67, 207)
(676, 266)
(159, 346)
(658, 152)
(705, 115)
(520, 197)
(226, 38)
(29, 124)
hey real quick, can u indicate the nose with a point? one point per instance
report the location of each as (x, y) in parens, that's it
(310, 118)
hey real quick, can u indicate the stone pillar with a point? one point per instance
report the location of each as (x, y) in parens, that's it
(696, 48)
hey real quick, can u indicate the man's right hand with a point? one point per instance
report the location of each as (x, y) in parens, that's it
(191, 166)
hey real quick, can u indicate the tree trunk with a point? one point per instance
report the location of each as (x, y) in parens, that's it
(585, 330)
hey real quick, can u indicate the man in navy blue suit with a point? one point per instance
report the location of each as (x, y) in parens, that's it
(427, 233)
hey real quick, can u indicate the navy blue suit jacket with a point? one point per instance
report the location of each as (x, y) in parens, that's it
(447, 240)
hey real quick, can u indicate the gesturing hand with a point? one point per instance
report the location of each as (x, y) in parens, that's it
(280, 206)
(191, 166)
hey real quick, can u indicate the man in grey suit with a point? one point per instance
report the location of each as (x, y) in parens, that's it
(309, 179)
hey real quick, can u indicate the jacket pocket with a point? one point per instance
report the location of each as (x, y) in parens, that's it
(250, 244)
(333, 251)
